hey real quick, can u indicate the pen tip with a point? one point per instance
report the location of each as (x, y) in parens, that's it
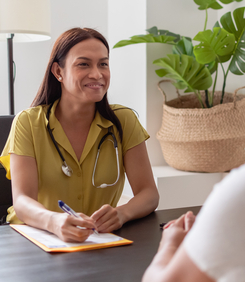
(60, 203)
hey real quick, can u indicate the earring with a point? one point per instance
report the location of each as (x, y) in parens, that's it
(60, 78)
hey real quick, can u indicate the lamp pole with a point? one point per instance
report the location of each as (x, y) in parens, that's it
(11, 72)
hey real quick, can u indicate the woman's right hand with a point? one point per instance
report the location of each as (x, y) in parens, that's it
(66, 227)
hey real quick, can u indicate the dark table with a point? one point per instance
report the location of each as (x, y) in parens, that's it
(21, 260)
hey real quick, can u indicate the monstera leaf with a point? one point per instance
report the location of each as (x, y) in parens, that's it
(155, 36)
(236, 25)
(187, 73)
(155, 31)
(214, 43)
(184, 46)
(148, 38)
(213, 4)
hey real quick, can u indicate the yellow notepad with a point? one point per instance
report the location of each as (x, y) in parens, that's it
(51, 243)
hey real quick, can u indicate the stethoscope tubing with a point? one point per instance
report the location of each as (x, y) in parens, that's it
(67, 169)
(104, 185)
(51, 134)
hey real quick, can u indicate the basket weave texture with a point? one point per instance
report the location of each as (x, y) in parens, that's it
(204, 140)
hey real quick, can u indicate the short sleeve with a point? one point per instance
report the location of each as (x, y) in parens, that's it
(216, 243)
(19, 141)
(133, 131)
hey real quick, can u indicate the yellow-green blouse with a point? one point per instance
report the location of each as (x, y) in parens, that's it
(29, 137)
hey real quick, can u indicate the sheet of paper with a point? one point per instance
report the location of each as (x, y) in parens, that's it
(52, 241)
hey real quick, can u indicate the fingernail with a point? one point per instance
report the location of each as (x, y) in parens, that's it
(167, 225)
(190, 214)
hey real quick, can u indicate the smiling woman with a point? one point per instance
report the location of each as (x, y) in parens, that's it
(71, 125)
(86, 73)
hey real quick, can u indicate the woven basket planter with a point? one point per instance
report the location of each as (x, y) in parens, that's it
(203, 140)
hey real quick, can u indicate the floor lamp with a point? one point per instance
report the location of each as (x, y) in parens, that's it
(22, 21)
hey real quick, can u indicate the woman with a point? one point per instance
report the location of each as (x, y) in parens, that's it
(213, 248)
(67, 120)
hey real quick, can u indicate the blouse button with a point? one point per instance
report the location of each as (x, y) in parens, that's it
(79, 174)
(79, 197)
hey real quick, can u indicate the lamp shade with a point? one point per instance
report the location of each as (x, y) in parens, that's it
(28, 20)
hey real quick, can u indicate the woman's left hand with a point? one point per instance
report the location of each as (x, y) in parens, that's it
(107, 219)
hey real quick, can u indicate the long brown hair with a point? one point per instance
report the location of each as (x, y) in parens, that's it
(50, 89)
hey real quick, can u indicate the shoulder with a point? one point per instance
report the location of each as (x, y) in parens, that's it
(225, 204)
(123, 113)
(223, 208)
(30, 115)
(227, 198)
(233, 185)
(133, 132)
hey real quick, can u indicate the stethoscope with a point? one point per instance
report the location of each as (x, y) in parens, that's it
(67, 170)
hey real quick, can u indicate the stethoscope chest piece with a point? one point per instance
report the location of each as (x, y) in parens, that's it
(66, 169)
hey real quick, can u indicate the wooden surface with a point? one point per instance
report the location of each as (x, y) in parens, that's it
(21, 260)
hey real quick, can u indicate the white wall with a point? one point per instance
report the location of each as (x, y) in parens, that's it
(128, 64)
(31, 58)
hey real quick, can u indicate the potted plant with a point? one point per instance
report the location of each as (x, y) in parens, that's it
(206, 117)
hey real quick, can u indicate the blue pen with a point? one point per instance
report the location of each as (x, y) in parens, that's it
(70, 211)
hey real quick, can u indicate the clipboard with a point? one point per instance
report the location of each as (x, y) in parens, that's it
(51, 243)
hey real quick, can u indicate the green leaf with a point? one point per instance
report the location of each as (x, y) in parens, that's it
(213, 4)
(229, 1)
(213, 44)
(212, 67)
(187, 73)
(184, 46)
(148, 38)
(236, 25)
(155, 36)
(223, 59)
(217, 24)
(155, 31)
(161, 72)
(205, 4)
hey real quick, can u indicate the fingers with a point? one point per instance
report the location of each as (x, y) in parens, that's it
(180, 222)
(168, 224)
(106, 219)
(83, 221)
(189, 220)
(72, 229)
(185, 221)
(84, 216)
(100, 212)
(75, 234)
(108, 226)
